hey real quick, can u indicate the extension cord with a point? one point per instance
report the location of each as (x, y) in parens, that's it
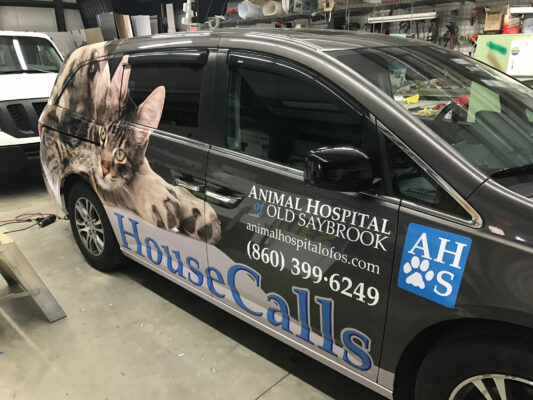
(42, 222)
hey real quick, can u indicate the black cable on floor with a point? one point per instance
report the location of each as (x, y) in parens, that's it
(23, 229)
(41, 219)
(16, 222)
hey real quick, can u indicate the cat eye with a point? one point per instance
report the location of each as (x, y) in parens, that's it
(120, 155)
(103, 135)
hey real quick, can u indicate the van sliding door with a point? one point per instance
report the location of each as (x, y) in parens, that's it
(167, 226)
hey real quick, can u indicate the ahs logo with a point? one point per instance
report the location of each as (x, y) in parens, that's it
(433, 262)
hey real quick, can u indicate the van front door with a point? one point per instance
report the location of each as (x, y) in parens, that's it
(310, 265)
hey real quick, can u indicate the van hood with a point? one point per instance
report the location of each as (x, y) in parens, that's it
(26, 86)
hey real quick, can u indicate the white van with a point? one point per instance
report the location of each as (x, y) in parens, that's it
(29, 63)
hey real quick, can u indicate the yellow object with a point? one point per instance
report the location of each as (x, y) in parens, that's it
(424, 113)
(412, 100)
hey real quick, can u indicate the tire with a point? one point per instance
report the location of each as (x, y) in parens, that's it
(460, 368)
(94, 235)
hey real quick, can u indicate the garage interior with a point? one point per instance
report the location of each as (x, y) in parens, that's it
(131, 334)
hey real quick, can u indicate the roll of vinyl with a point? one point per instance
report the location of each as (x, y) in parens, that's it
(249, 10)
(287, 6)
(272, 8)
(213, 23)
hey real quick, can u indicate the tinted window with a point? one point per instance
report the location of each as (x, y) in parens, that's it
(85, 91)
(411, 183)
(281, 116)
(182, 99)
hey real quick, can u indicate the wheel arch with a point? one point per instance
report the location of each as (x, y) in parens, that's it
(66, 186)
(408, 366)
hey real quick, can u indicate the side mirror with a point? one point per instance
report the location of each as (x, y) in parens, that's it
(344, 169)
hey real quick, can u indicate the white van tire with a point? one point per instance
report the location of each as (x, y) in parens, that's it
(91, 229)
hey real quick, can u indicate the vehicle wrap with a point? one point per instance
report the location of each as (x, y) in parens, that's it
(181, 235)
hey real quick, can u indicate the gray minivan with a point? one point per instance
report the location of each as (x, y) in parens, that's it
(362, 198)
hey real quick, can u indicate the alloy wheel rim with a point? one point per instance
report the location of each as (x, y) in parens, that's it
(493, 387)
(89, 226)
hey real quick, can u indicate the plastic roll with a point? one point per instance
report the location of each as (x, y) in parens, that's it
(287, 6)
(272, 8)
(249, 10)
(213, 23)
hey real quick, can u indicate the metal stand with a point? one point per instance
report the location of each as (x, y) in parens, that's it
(13, 264)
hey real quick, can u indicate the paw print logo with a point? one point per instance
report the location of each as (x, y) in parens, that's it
(417, 272)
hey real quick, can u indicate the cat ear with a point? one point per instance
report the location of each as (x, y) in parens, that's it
(117, 91)
(149, 112)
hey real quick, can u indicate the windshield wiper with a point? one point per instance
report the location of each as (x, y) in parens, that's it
(512, 171)
(31, 70)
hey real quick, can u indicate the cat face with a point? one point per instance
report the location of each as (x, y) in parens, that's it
(123, 145)
(121, 155)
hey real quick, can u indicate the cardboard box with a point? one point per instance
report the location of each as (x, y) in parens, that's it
(94, 35)
(493, 19)
(343, 4)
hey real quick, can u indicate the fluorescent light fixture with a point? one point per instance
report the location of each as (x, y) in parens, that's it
(18, 50)
(402, 17)
(521, 10)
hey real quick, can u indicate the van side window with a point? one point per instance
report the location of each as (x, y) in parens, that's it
(411, 183)
(84, 92)
(182, 84)
(278, 114)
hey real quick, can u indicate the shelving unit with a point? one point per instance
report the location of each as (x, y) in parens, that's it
(353, 9)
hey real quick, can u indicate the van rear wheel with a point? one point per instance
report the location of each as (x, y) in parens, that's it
(91, 229)
(477, 369)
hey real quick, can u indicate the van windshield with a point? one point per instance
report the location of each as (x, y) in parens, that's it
(27, 54)
(484, 114)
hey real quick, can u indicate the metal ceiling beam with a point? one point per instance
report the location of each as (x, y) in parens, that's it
(37, 3)
(60, 15)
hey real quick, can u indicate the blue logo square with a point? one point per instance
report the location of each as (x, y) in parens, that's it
(433, 262)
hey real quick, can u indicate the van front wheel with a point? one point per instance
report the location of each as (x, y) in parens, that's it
(92, 230)
(477, 369)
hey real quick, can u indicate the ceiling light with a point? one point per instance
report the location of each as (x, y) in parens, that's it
(403, 17)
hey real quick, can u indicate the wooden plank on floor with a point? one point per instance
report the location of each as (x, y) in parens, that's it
(15, 265)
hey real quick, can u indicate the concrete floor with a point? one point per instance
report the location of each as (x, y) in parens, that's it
(131, 334)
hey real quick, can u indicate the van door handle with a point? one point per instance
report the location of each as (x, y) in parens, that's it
(189, 186)
(222, 199)
(217, 198)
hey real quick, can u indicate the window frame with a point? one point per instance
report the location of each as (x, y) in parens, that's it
(200, 56)
(475, 222)
(257, 59)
